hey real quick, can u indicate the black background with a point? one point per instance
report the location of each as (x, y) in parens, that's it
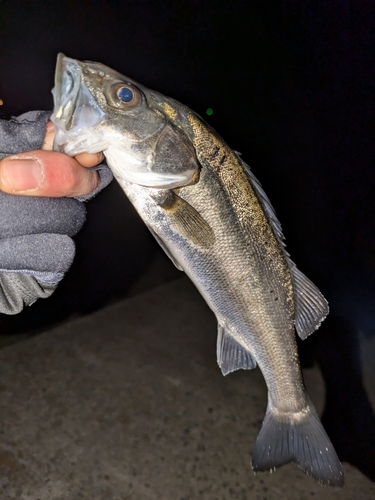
(291, 85)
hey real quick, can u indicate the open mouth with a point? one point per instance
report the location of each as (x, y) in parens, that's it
(67, 86)
(76, 111)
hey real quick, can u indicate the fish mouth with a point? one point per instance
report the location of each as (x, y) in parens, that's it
(67, 82)
(75, 109)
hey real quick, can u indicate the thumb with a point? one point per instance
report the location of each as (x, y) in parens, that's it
(46, 173)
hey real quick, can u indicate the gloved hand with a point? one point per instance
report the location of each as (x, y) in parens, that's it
(36, 248)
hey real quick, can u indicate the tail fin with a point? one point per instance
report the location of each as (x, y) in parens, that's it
(298, 438)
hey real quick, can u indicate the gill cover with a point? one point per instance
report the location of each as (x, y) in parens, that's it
(170, 163)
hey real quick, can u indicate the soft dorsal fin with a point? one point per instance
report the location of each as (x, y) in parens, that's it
(311, 308)
(231, 356)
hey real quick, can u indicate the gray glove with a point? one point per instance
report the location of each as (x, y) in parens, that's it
(36, 248)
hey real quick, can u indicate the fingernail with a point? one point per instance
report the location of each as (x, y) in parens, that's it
(50, 127)
(22, 174)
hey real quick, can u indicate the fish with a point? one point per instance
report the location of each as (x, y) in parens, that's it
(210, 214)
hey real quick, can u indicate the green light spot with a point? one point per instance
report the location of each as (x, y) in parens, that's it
(209, 111)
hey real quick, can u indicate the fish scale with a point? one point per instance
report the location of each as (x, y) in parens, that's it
(274, 264)
(247, 207)
(211, 216)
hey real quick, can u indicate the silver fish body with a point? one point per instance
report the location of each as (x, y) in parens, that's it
(211, 216)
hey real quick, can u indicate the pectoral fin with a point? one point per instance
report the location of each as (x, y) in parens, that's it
(186, 220)
(231, 356)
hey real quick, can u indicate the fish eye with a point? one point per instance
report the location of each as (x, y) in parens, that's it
(123, 96)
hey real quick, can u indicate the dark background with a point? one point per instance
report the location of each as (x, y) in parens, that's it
(291, 85)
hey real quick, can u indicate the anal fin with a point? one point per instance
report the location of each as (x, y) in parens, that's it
(231, 356)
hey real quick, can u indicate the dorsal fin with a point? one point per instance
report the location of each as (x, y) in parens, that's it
(231, 355)
(265, 202)
(311, 308)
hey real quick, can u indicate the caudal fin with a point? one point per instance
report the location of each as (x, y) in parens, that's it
(298, 438)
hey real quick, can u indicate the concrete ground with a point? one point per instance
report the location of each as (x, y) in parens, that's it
(128, 404)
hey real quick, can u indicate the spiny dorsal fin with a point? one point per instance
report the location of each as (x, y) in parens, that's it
(265, 202)
(311, 308)
(231, 356)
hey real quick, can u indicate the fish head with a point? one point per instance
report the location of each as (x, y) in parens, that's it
(98, 109)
